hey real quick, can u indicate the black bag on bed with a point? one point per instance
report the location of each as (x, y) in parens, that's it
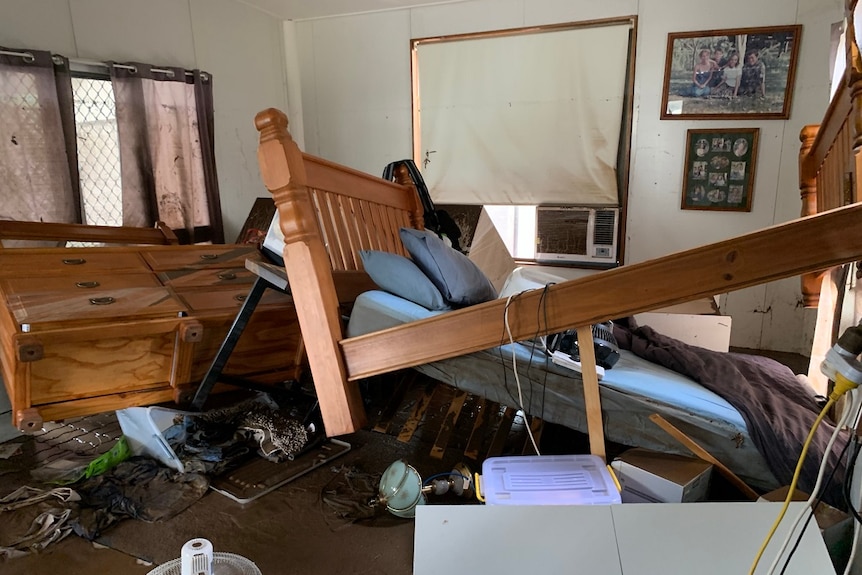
(604, 343)
(438, 221)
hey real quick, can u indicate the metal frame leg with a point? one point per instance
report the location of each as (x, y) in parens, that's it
(229, 342)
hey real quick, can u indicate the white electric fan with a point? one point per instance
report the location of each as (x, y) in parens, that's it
(197, 558)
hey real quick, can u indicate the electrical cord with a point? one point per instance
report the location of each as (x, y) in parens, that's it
(515, 372)
(816, 505)
(842, 422)
(854, 455)
(857, 523)
(842, 385)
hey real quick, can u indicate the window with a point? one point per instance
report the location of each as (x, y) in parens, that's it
(517, 119)
(71, 121)
(98, 151)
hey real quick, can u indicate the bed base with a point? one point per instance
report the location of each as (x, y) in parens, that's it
(328, 212)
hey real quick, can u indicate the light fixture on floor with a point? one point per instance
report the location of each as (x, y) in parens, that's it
(401, 487)
(197, 558)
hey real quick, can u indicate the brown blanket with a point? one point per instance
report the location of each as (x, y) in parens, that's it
(778, 410)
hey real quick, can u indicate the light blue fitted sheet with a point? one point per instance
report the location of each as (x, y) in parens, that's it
(630, 392)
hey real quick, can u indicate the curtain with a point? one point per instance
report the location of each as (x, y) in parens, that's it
(38, 160)
(524, 119)
(166, 150)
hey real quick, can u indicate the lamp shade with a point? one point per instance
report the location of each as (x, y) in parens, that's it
(401, 489)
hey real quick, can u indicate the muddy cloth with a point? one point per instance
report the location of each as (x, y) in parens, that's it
(778, 410)
(32, 518)
(345, 499)
(140, 488)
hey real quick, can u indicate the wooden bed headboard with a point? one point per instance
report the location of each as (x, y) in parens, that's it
(328, 212)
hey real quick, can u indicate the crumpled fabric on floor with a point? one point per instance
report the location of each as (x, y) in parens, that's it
(46, 514)
(213, 441)
(345, 499)
(278, 437)
(140, 488)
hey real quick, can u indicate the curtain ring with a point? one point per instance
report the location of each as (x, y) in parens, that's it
(28, 57)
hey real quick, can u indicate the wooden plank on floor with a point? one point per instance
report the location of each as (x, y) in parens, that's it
(384, 422)
(502, 433)
(448, 425)
(416, 415)
(480, 422)
(536, 426)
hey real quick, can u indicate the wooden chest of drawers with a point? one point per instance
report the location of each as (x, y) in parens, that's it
(86, 330)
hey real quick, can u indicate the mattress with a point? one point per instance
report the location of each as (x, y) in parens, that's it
(630, 392)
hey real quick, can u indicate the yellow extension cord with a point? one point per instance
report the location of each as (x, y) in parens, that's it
(842, 386)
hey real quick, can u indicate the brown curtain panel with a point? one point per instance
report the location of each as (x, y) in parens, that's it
(38, 165)
(203, 86)
(164, 159)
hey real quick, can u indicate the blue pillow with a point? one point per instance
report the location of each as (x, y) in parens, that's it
(460, 281)
(399, 276)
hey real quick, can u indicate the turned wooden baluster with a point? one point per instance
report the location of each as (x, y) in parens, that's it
(808, 193)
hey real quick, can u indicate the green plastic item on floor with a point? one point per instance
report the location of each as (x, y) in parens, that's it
(69, 470)
(118, 453)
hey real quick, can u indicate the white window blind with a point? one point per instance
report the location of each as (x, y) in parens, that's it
(522, 119)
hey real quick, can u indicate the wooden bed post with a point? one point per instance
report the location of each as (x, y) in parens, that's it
(283, 172)
(417, 218)
(850, 191)
(808, 192)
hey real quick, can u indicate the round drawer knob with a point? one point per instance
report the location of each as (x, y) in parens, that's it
(240, 297)
(106, 300)
(87, 284)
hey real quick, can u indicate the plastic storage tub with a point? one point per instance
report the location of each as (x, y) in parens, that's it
(548, 480)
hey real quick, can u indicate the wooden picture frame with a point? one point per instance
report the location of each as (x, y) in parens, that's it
(719, 169)
(702, 80)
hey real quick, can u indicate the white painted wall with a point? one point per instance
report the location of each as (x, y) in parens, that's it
(355, 78)
(241, 46)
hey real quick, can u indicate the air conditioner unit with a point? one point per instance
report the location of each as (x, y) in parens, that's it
(577, 234)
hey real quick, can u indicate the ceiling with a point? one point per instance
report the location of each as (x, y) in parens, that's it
(307, 9)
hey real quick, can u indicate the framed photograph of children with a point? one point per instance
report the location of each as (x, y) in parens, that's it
(719, 169)
(730, 74)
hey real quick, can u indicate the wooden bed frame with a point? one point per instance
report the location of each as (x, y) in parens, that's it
(328, 212)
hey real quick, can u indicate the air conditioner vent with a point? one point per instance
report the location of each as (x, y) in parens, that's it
(605, 229)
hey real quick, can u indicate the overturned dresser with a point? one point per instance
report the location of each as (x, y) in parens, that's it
(87, 330)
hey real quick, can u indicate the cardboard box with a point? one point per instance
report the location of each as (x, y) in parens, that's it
(651, 477)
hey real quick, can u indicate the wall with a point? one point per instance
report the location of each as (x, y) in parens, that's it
(242, 47)
(356, 110)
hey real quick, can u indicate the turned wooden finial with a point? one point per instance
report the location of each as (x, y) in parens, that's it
(270, 119)
(417, 214)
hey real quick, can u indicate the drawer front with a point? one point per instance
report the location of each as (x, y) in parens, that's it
(208, 277)
(212, 256)
(54, 310)
(73, 261)
(80, 283)
(75, 370)
(229, 300)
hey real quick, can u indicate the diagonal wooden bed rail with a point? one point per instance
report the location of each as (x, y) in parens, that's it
(785, 250)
